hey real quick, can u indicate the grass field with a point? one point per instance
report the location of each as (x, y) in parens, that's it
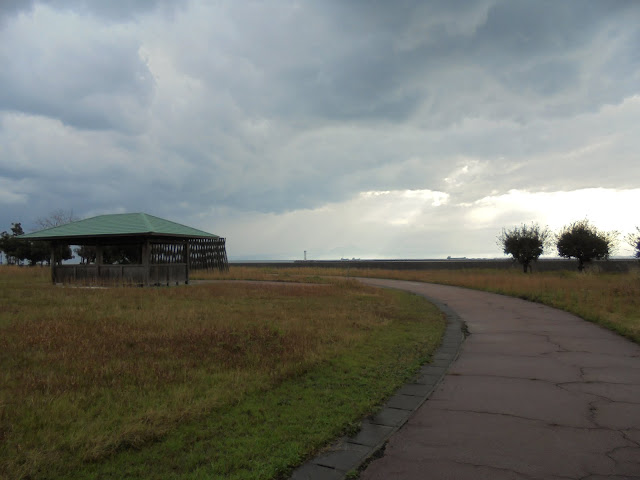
(219, 380)
(202, 381)
(609, 299)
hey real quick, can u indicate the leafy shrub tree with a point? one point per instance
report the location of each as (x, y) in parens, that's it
(525, 243)
(38, 252)
(584, 242)
(87, 253)
(17, 249)
(111, 255)
(633, 239)
(14, 249)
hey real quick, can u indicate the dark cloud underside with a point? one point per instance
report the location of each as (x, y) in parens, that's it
(281, 106)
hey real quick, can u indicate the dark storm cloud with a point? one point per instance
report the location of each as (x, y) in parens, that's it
(77, 72)
(114, 10)
(9, 8)
(281, 106)
(379, 61)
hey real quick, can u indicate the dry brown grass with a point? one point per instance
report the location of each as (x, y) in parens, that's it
(87, 373)
(610, 299)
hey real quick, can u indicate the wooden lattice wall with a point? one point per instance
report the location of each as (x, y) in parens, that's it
(204, 253)
(208, 253)
(167, 253)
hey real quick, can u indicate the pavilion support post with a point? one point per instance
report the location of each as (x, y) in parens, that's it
(99, 261)
(53, 263)
(187, 259)
(146, 253)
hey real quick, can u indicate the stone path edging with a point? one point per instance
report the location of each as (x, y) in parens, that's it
(350, 453)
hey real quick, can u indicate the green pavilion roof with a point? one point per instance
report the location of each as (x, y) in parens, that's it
(119, 224)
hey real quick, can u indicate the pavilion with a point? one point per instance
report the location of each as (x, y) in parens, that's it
(164, 251)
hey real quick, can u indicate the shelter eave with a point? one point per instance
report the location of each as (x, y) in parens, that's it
(119, 238)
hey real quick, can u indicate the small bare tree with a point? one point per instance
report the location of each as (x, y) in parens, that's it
(633, 239)
(56, 218)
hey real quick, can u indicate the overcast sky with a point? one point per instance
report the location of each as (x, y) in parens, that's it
(405, 129)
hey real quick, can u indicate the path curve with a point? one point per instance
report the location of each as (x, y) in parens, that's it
(535, 393)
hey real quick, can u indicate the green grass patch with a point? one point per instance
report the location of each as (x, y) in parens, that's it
(209, 381)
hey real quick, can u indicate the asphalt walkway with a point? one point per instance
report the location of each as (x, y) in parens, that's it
(531, 393)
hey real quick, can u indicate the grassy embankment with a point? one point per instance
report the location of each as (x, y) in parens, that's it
(205, 381)
(609, 299)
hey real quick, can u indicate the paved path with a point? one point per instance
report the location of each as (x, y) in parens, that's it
(535, 393)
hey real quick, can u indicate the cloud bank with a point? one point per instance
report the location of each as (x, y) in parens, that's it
(366, 129)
